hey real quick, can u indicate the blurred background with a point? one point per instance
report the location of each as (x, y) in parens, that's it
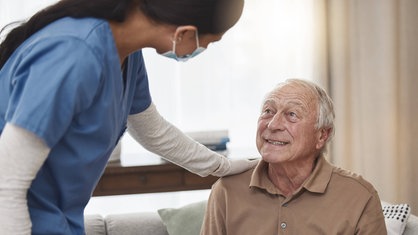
(363, 52)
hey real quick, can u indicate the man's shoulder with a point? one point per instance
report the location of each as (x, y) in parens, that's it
(236, 180)
(352, 179)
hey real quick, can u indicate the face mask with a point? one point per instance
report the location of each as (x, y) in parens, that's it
(172, 54)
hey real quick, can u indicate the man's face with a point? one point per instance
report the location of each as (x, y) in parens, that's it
(286, 130)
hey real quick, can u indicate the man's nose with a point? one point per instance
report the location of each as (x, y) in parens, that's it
(276, 123)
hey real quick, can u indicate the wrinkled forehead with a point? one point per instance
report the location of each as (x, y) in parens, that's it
(294, 91)
(293, 96)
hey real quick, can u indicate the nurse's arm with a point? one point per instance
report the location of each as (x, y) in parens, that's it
(159, 136)
(21, 156)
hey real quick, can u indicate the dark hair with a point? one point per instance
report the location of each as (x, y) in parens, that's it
(209, 16)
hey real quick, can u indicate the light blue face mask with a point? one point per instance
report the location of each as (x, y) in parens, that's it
(172, 54)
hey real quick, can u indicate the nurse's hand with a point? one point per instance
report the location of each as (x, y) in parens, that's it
(235, 166)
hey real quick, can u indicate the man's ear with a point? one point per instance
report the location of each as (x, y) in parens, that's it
(182, 30)
(323, 137)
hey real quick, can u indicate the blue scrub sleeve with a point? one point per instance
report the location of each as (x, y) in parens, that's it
(141, 95)
(54, 80)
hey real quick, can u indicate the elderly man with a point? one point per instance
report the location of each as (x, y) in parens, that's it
(294, 189)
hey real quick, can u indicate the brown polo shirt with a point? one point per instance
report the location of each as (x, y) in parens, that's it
(331, 201)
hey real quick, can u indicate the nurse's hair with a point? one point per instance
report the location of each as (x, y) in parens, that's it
(209, 16)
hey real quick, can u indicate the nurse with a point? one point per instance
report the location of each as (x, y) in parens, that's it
(72, 80)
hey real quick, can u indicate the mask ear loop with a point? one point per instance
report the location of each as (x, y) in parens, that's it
(174, 46)
(197, 39)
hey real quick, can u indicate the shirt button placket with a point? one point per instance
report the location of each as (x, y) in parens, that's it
(283, 223)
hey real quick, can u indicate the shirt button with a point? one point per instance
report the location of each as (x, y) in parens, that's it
(283, 225)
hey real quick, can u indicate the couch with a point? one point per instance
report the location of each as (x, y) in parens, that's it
(151, 223)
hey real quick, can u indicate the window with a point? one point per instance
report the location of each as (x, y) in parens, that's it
(223, 87)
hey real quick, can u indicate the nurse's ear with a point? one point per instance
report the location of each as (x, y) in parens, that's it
(183, 32)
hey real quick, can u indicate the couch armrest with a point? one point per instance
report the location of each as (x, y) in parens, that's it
(94, 225)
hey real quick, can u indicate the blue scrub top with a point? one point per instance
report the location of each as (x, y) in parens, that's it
(65, 85)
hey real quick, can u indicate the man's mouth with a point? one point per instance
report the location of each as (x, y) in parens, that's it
(274, 142)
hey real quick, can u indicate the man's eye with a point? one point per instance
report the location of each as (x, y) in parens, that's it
(293, 117)
(268, 111)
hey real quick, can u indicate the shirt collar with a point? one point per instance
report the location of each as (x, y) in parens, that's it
(317, 182)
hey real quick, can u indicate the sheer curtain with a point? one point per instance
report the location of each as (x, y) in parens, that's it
(373, 76)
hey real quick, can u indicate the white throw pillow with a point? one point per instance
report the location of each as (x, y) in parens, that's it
(396, 217)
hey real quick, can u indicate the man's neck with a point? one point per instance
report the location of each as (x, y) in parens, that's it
(289, 177)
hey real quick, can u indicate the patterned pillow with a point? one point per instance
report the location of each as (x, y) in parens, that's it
(396, 217)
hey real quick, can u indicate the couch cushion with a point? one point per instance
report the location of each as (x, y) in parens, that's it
(142, 223)
(94, 225)
(186, 220)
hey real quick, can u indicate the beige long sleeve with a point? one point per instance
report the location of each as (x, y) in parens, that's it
(159, 136)
(21, 156)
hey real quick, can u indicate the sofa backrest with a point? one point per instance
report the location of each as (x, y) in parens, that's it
(141, 223)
